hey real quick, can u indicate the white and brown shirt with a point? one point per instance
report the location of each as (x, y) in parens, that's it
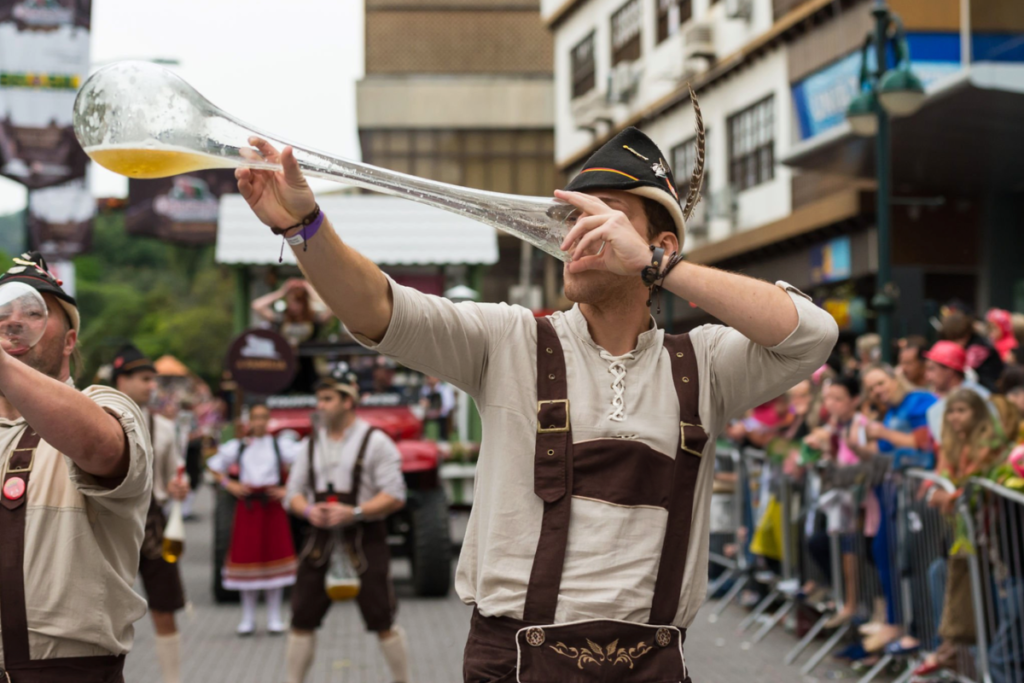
(489, 351)
(335, 459)
(82, 542)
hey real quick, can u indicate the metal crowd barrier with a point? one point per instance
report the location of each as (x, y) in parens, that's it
(859, 559)
(726, 520)
(997, 579)
(901, 567)
(740, 573)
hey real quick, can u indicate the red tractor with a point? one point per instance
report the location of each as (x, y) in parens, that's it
(420, 531)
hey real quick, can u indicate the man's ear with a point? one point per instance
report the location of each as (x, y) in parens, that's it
(668, 241)
(70, 342)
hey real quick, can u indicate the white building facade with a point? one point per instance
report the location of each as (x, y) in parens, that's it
(644, 54)
(790, 190)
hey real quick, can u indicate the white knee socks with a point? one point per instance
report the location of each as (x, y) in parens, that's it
(248, 623)
(301, 649)
(168, 652)
(274, 598)
(396, 654)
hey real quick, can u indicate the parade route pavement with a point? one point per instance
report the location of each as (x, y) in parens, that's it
(436, 628)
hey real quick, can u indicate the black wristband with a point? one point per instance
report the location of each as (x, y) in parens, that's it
(651, 273)
(305, 222)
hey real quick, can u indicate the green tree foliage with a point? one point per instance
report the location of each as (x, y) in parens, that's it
(167, 299)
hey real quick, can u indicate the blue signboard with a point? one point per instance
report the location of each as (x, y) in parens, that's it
(821, 99)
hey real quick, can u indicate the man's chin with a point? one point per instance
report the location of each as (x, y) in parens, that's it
(593, 286)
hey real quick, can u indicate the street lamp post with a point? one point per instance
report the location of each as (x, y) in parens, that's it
(883, 302)
(884, 93)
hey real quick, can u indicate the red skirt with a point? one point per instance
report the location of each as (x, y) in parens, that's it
(262, 554)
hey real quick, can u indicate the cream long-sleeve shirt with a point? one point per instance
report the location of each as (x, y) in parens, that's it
(489, 351)
(82, 542)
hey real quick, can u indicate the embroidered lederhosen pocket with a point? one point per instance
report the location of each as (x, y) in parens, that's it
(601, 650)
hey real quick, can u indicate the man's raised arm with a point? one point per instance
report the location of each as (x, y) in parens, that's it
(350, 284)
(66, 419)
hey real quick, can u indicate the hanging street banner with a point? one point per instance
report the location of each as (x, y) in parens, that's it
(44, 58)
(60, 219)
(181, 209)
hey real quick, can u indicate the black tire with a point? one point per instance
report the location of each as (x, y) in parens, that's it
(223, 520)
(430, 543)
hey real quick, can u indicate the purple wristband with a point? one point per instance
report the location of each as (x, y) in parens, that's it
(307, 232)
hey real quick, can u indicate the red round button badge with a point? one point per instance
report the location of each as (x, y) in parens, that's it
(14, 488)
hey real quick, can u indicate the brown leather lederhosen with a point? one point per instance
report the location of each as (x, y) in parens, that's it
(19, 667)
(160, 579)
(537, 649)
(368, 544)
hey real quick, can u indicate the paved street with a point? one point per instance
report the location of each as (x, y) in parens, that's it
(437, 629)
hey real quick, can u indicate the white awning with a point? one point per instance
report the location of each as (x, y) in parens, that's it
(387, 230)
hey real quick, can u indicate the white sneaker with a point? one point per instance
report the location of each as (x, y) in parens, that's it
(245, 629)
(276, 628)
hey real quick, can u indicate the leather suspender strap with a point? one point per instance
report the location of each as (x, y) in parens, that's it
(671, 567)
(13, 614)
(357, 469)
(242, 448)
(553, 472)
(277, 458)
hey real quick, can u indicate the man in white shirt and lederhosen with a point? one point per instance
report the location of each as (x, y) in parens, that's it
(254, 469)
(348, 478)
(134, 375)
(590, 521)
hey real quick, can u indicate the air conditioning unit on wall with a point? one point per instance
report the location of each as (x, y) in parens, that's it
(725, 205)
(623, 82)
(590, 108)
(699, 42)
(739, 9)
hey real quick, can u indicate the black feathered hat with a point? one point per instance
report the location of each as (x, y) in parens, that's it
(631, 161)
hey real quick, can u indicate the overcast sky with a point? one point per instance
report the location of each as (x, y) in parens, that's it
(286, 66)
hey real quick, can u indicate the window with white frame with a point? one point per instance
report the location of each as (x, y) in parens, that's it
(583, 69)
(671, 14)
(626, 24)
(752, 145)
